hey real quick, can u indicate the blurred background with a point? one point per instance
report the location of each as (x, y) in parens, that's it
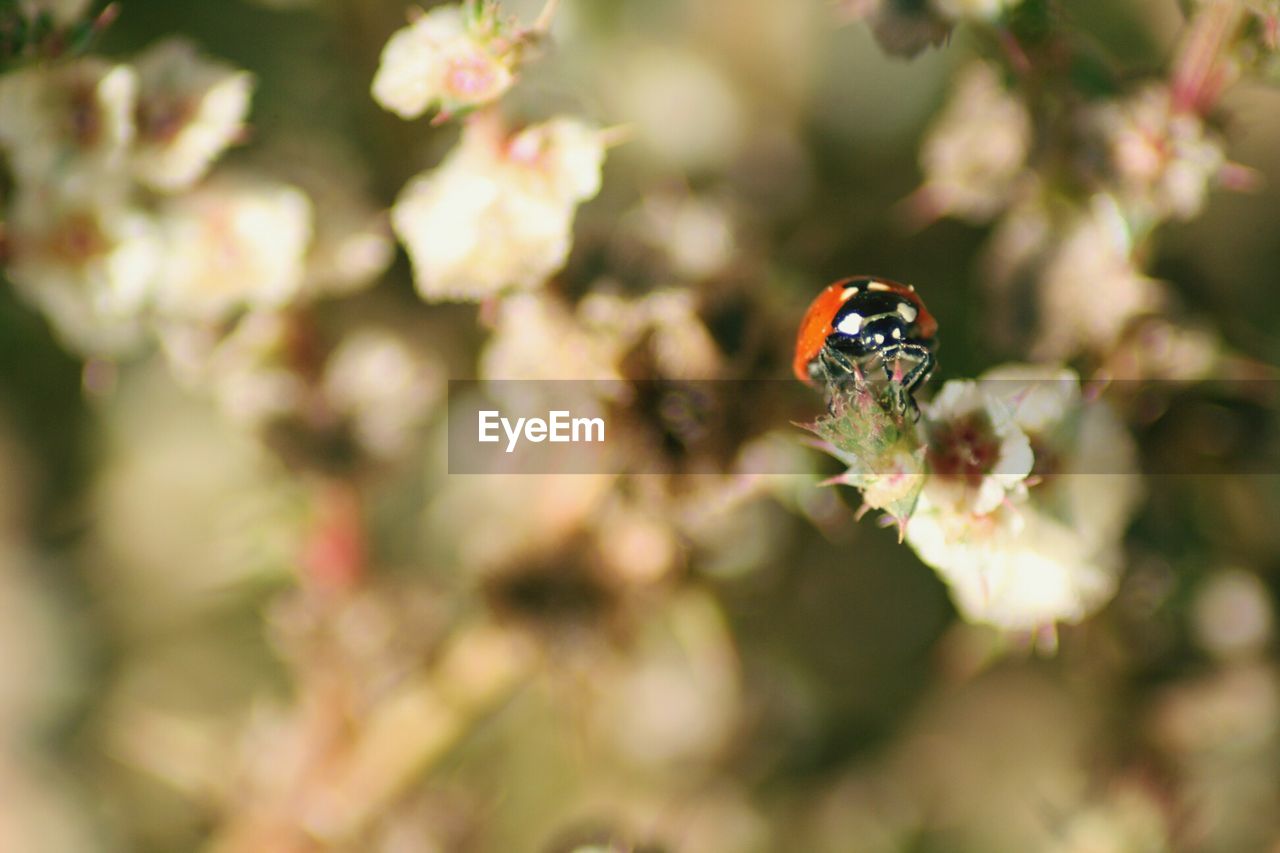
(230, 623)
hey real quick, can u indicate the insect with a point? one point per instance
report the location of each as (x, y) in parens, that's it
(857, 323)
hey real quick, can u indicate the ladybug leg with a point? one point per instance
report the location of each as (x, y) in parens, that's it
(925, 362)
(903, 385)
(837, 366)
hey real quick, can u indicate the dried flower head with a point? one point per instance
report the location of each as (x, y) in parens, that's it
(497, 214)
(190, 109)
(453, 58)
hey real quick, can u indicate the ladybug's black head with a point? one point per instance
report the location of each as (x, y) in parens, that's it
(873, 321)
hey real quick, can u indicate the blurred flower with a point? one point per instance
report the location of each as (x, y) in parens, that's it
(497, 214)
(1091, 288)
(675, 699)
(695, 234)
(1231, 614)
(1220, 735)
(654, 83)
(231, 243)
(537, 336)
(1160, 158)
(996, 763)
(382, 387)
(976, 150)
(70, 122)
(374, 639)
(984, 10)
(902, 27)
(1130, 818)
(86, 258)
(246, 369)
(1159, 348)
(454, 57)
(681, 345)
(188, 511)
(62, 11)
(189, 110)
(352, 244)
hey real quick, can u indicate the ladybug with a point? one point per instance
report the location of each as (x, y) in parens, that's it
(856, 322)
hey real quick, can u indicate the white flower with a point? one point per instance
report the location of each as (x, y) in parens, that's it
(497, 215)
(1086, 462)
(86, 259)
(978, 456)
(190, 109)
(1091, 289)
(232, 243)
(1048, 552)
(383, 387)
(447, 58)
(1014, 568)
(976, 150)
(70, 122)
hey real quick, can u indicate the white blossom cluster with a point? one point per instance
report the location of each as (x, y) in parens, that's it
(1013, 487)
(452, 58)
(1028, 492)
(112, 221)
(496, 216)
(1135, 161)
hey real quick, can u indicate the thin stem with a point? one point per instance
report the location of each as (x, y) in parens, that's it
(1199, 74)
(545, 17)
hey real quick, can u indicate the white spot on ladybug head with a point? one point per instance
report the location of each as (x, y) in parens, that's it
(849, 292)
(878, 285)
(850, 324)
(879, 338)
(907, 311)
(897, 333)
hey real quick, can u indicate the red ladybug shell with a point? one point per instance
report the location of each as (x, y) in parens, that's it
(816, 326)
